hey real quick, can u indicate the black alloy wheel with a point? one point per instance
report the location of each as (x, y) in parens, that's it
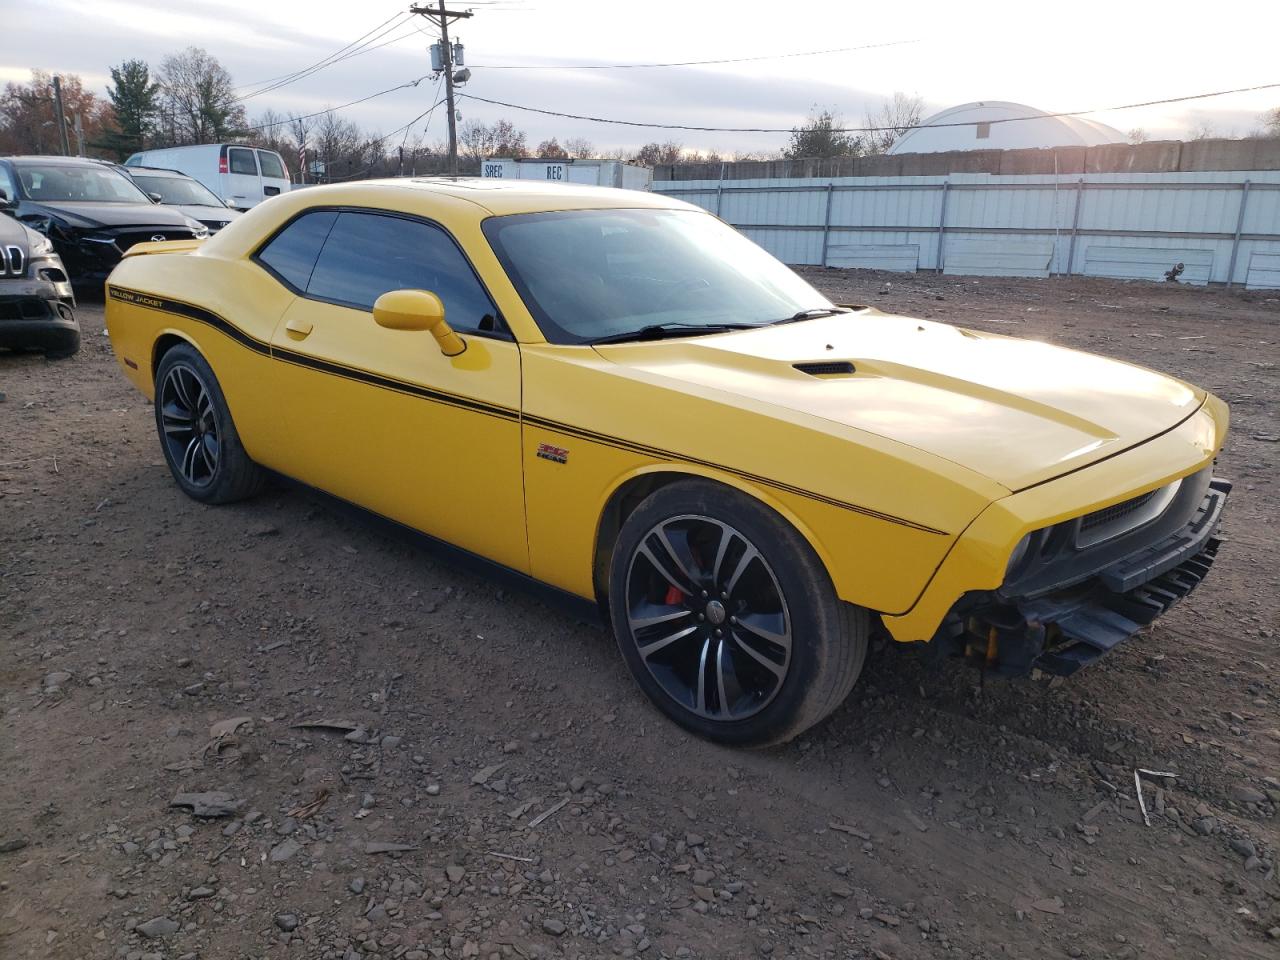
(190, 430)
(726, 617)
(198, 436)
(708, 618)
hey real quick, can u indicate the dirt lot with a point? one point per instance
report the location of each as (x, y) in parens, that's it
(932, 816)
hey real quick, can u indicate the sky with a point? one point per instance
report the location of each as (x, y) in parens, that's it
(1078, 56)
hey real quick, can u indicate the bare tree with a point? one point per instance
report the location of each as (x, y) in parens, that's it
(652, 154)
(1271, 123)
(551, 150)
(1203, 130)
(28, 120)
(1137, 135)
(580, 148)
(897, 115)
(499, 139)
(197, 98)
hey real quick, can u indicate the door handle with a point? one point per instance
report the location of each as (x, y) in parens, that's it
(298, 328)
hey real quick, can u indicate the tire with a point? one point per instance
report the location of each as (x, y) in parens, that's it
(698, 568)
(197, 434)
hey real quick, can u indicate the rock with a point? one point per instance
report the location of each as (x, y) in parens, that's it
(214, 803)
(702, 877)
(1204, 825)
(158, 927)
(287, 922)
(285, 850)
(390, 743)
(13, 844)
(657, 843)
(577, 783)
(455, 873)
(1048, 905)
(433, 789)
(553, 927)
(704, 893)
(1247, 794)
(356, 885)
(1244, 846)
(200, 893)
(1274, 933)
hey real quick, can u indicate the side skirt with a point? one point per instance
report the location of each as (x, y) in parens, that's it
(588, 611)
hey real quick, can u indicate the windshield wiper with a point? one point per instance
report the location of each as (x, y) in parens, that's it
(660, 331)
(811, 314)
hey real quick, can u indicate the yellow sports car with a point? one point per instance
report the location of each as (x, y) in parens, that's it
(616, 394)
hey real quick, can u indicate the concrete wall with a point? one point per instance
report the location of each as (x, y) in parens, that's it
(1165, 156)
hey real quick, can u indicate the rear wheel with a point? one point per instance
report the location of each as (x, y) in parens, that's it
(727, 618)
(196, 431)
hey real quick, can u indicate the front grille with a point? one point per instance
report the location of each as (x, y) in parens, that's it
(13, 262)
(28, 308)
(1100, 518)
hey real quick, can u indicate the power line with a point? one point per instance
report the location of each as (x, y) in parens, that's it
(384, 138)
(881, 129)
(694, 63)
(361, 45)
(258, 83)
(318, 113)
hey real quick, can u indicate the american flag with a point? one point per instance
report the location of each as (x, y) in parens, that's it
(302, 162)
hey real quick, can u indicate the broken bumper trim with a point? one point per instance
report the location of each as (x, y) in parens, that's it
(1061, 632)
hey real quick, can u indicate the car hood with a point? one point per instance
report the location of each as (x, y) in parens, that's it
(1016, 411)
(13, 232)
(88, 215)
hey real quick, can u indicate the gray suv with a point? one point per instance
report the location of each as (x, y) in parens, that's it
(37, 307)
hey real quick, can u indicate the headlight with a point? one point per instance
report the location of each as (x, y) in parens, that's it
(1019, 552)
(198, 228)
(43, 224)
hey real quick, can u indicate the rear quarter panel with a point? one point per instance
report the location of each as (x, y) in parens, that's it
(149, 298)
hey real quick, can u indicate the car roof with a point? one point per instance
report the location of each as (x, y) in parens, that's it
(163, 171)
(503, 197)
(59, 161)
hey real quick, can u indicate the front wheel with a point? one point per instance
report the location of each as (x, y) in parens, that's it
(727, 618)
(196, 431)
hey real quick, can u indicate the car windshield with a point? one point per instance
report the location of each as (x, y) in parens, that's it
(178, 190)
(89, 182)
(587, 275)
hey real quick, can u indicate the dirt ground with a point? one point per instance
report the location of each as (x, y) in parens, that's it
(151, 647)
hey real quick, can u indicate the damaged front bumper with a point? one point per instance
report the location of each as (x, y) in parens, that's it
(1057, 617)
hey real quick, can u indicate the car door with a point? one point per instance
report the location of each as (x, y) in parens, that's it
(275, 179)
(381, 417)
(243, 180)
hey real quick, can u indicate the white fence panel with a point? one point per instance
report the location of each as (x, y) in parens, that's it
(1221, 225)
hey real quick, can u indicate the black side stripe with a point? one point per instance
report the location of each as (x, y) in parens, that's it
(660, 454)
(201, 315)
(222, 325)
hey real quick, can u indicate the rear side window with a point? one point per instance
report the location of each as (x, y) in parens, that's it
(271, 165)
(242, 161)
(292, 253)
(369, 254)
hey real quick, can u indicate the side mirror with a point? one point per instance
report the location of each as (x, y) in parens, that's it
(418, 310)
(229, 202)
(6, 203)
(156, 198)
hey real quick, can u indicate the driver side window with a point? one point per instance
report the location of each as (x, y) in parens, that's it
(368, 254)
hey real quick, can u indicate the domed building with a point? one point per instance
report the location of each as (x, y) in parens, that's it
(988, 125)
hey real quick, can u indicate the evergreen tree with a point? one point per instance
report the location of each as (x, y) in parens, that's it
(135, 99)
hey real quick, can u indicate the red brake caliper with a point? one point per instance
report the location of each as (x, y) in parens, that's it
(674, 596)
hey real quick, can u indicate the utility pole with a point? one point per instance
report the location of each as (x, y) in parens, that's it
(442, 18)
(62, 117)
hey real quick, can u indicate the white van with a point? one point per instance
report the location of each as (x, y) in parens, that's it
(240, 174)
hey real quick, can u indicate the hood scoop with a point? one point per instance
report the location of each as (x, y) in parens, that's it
(826, 368)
